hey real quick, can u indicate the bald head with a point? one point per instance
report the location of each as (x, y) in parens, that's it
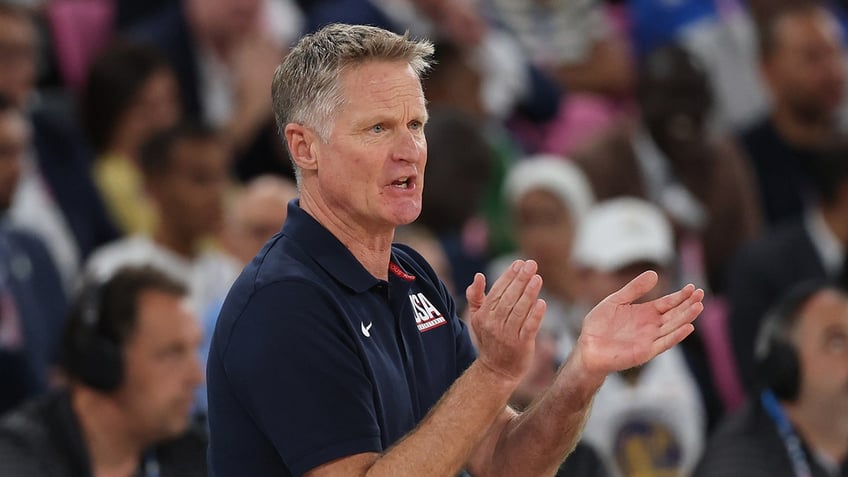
(256, 214)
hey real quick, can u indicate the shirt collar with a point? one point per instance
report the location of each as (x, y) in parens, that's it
(330, 254)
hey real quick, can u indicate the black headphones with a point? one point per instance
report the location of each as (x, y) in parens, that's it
(776, 359)
(90, 354)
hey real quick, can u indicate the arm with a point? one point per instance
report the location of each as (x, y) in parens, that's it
(616, 335)
(472, 423)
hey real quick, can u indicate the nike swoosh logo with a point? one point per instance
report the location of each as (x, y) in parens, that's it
(366, 330)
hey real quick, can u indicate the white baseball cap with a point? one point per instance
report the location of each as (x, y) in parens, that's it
(558, 175)
(623, 231)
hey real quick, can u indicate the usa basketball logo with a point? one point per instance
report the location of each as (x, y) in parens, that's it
(427, 316)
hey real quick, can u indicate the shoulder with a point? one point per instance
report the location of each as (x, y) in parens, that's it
(744, 444)
(28, 429)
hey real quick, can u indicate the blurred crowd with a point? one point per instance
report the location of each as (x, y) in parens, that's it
(140, 170)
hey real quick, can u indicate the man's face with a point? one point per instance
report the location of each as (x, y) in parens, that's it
(821, 338)
(371, 169)
(14, 136)
(190, 193)
(544, 230)
(162, 366)
(806, 71)
(17, 57)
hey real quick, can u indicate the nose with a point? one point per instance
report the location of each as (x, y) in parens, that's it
(411, 146)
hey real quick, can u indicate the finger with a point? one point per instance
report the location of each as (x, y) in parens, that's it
(514, 291)
(531, 325)
(476, 292)
(674, 299)
(506, 278)
(683, 315)
(520, 311)
(664, 343)
(635, 289)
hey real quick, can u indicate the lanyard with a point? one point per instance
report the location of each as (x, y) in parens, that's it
(790, 439)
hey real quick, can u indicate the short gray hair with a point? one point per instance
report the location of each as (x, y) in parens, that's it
(306, 85)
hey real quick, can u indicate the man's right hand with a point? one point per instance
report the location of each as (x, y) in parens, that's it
(505, 321)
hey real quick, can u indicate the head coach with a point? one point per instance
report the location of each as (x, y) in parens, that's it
(338, 353)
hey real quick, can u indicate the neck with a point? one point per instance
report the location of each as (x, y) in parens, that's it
(372, 250)
(112, 447)
(184, 245)
(823, 431)
(800, 132)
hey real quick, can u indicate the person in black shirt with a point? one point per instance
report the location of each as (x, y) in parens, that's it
(130, 354)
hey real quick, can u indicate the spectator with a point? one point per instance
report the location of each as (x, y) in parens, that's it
(224, 53)
(721, 34)
(648, 420)
(56, 197)
(809, 247)
(129, 352)
(185, 170)
(798, 423)
(255, 215)
(130, 94)
(670, 158)
(32, 301)
(803, 62)
(548, 197)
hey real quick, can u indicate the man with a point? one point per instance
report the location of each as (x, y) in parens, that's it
(670, 158)
(648, 420)
(130, 356)
(185, 173)
(337, 353)
(810, 247)
(803, 63)
(798, 423)
(32, 301)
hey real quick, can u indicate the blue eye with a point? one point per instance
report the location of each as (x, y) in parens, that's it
(416, 125)
(378, 128)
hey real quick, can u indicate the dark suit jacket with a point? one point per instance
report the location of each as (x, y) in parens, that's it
(759, 276)
(29, 275)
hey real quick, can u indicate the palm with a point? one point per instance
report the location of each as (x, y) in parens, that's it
(618, 334)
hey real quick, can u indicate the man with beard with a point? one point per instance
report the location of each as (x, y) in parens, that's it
(802, 62)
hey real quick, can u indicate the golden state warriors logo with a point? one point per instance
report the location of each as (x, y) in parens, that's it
(647, 448)
(427, 316)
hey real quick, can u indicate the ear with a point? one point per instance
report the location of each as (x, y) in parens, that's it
(301, 142)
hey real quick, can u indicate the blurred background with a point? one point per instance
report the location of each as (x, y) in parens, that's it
(700, 138)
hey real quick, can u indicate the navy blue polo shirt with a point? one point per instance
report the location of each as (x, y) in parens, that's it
(313, 358)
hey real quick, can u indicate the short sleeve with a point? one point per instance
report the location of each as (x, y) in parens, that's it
(294, 365)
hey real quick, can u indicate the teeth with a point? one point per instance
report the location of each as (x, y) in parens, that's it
(402, 182)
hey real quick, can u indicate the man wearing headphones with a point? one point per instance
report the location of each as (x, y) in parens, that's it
(798, 424)
(130, 355)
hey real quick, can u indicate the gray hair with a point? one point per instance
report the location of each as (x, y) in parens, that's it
(306, 87)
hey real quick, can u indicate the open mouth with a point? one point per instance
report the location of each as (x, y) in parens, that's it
(403, 183)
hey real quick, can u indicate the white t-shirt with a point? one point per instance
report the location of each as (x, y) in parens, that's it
(208, 277)
(656, 427)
